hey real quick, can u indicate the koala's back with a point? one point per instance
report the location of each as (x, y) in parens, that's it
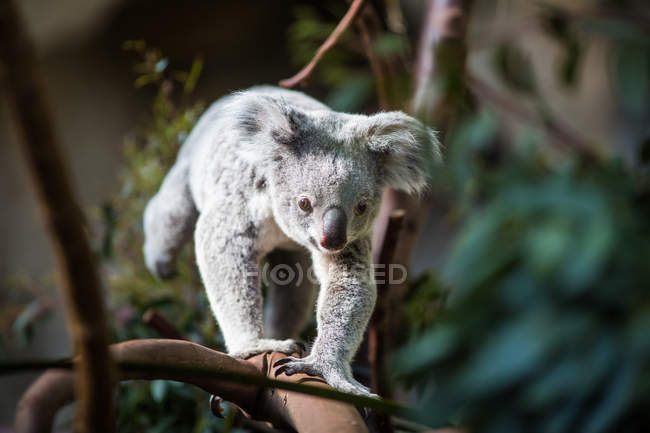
(212, 151)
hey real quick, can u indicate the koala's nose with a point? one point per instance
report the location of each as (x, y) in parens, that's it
(334, 229)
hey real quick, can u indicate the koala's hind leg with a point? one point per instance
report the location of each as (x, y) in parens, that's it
(291, 293)
(169, 220)
(227, 256)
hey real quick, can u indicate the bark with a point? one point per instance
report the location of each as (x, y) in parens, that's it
(439, 86)
(304, 413)
(438, 90)
(80, 283)
(384, 257)
(157, 321)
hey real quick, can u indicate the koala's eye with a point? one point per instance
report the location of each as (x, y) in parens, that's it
(304, 204)
(361, 207)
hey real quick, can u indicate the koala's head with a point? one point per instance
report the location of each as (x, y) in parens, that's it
(326, 170)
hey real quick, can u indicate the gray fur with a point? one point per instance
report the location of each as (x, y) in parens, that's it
(242, 170)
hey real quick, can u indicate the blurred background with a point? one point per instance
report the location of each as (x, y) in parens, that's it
(537, 237)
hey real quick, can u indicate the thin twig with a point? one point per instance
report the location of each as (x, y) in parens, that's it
(331, 40)
(80, 283)
(157, 321)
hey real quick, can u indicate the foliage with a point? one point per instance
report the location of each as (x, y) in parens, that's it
(155, 406)
(547, 331)
(148, 154)
(548, 284)
(343, 72)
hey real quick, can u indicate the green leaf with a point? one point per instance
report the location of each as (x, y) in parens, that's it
(193, 75)
(426, 350)
(512, 351)
(613, 400)
(158, 390)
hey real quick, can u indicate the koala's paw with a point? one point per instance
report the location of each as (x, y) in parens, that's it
(165, 270)
(162, 266)
(268, 345)
(335, 375)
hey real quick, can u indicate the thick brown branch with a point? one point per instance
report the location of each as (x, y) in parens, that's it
(384, 257)
(438, 91)
(386, 70)
(440, 64)
(341, 27)
(376, 66)
(439, 77)
(284, 408)
(81, 288)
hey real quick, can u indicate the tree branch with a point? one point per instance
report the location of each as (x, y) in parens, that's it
(81, 288)
(438, 91)
(341, 27)
(438, 81)
(384, 256)
(386, 70)
(440, 64)
(376, 66)
(157, 321)
(247, 383)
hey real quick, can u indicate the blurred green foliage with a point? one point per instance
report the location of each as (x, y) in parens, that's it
(547, 323)
(549, 312)
(155, 406)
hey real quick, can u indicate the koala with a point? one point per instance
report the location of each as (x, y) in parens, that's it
(272, 174)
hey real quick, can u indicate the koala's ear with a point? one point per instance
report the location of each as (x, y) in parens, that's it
(263, 117)
(409, 150)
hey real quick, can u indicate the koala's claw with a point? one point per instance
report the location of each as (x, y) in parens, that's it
(291, 365)
(165, 270)
(335, 377)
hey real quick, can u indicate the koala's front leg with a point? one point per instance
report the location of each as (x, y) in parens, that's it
(345, 304)
(226, 252)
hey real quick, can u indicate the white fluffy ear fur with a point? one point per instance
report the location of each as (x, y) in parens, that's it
(260, 120)
(410, 150)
